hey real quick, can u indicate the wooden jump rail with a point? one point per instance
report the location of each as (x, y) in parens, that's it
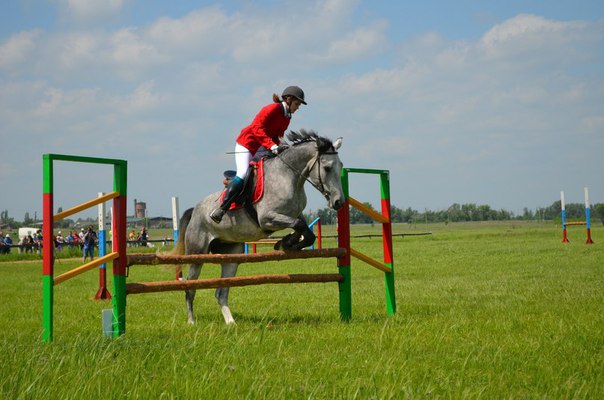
(86, 267)
(165, 286)
(84, 206)
(155, 259)
(264, 241)
(175, 285)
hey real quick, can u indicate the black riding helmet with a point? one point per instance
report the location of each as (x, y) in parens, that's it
(294, 91)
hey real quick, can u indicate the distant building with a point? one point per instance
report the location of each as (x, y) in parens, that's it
(160, 222)
(140, 209)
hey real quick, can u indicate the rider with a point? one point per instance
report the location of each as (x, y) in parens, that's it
(266, 130)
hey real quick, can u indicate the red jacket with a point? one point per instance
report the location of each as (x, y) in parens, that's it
(266, 129)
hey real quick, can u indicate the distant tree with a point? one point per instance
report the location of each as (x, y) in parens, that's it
(398, 215)
(527, 214)
(327, 215)
(359, 217)
(599, 212)
(454, 213)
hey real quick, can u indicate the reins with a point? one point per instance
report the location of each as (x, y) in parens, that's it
(307, 178)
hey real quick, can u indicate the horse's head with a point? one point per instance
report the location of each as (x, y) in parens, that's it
(324, 169)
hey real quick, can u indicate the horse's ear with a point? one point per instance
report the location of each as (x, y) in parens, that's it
(338, 143)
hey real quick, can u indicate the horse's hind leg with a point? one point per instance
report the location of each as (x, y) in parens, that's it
(194, 271)
(228, 270)
(222, 294)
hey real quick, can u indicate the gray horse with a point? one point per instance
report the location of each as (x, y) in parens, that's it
(309, 158)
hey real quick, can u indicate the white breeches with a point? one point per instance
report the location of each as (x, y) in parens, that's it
(242, 160)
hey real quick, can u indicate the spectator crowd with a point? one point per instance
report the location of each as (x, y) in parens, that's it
(86, 240)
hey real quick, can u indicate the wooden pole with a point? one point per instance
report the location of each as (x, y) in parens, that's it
(85, 206)
(86, 267)
(364, 209)
(165, 286)
(155, 259)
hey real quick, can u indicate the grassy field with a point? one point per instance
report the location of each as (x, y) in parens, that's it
(485, 310)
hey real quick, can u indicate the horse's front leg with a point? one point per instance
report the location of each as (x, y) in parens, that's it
(302, 236)
(222, 294)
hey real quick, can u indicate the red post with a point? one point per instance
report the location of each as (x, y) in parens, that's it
(103, 292)
(387, 232)
(564, 237)
(589, 240)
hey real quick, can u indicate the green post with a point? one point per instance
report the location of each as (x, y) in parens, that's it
(119, 246)
(47, 261)
(387, 243)
(345, 287)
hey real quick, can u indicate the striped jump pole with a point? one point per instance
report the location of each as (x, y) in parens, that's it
(102, 293)
(587, 217)
(175, 223)
(317, 222)
(563, 216)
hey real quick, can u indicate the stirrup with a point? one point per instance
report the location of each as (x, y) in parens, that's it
(217, 215)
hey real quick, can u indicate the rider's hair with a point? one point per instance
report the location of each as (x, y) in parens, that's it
(277, 99)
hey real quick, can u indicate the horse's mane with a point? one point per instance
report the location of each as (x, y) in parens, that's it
(303, 136)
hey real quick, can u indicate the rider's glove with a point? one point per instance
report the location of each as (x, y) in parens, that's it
(278, 149)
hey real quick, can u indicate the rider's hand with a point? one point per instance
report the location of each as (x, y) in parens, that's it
(278, 149)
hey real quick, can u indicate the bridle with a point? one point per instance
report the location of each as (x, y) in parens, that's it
(306, 176)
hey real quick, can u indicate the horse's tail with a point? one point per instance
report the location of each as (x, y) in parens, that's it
(184, 222)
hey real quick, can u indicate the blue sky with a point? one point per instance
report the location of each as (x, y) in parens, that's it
(498, 103)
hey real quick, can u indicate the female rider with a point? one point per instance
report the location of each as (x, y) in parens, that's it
(266, 130)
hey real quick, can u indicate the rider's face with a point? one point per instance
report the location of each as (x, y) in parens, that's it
(294, 105)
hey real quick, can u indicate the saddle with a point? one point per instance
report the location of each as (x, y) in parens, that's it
(253, 188)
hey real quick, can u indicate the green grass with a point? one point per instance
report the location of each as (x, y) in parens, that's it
(500, 310)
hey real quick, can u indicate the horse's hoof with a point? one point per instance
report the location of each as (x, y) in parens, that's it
(191, 322)
(290, 241)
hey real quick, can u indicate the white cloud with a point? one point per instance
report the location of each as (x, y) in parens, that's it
(18, 48)
(90, 10)
(142, 99)
(525, 26)
(357, 44)
(207, 29)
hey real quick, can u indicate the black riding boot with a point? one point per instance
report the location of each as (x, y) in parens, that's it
(232, 191)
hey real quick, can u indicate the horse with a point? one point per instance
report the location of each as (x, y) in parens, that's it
(309, 157)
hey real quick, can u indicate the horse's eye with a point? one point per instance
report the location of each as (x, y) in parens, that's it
(327, 168)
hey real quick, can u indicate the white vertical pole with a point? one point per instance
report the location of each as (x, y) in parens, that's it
(102, 237)
(563, 216)
(587, 217)
(111, 216)
(102, 293)
(175, 215)
(175, 221)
